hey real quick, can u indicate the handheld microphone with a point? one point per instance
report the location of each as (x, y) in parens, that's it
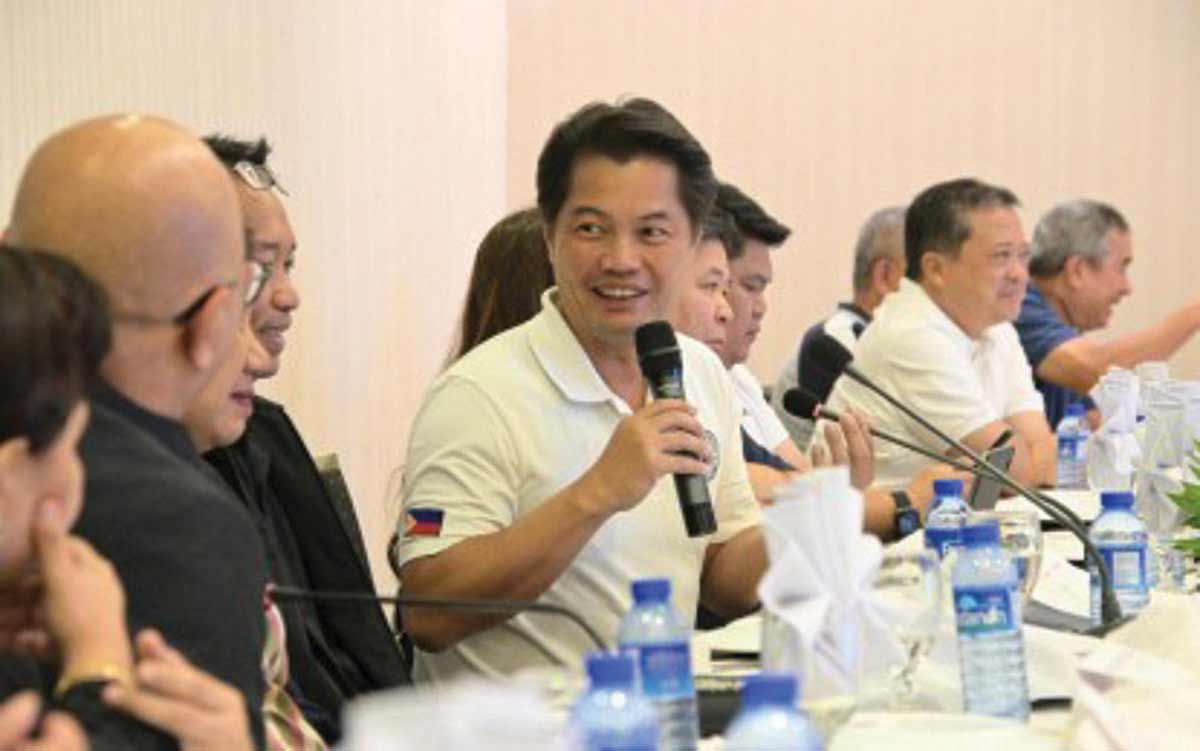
(803, 403)
(662, 367)
(1110, 610)
(471, 604)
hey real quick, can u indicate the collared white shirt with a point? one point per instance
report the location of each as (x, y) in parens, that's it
(915, 352)
(758, 419)
(513, 423)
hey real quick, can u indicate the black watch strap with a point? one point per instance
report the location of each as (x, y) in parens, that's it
(907, 519)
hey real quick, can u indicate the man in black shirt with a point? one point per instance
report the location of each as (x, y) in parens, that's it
(339, 650)
(145, 209)
(879, 266)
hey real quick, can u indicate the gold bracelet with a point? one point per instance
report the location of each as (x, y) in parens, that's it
(106, 672)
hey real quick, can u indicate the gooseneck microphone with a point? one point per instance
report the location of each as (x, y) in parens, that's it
(1110, 610)
(469, 604)
(662, 367)
(801, 402)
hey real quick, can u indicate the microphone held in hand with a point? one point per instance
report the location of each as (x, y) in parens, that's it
(662, 367)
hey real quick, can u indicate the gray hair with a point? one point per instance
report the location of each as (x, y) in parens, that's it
(881, 235)
(1075, 228)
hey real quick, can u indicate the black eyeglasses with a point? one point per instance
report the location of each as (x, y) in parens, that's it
(257, 176)
(260, 274)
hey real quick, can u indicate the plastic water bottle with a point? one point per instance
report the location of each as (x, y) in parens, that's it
(1121, 539)
(987, 607)
(1072, 433)
(946, 517)
(661, 639)
(769, 720)
(612, 715)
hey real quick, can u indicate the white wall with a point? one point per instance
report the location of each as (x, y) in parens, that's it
(389, 122)
(828, 110)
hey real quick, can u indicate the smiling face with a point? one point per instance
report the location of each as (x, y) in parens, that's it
(751, 275)
(702, 309)
(1096, 288)
(984, 284)
(273, 244)
(620, 247)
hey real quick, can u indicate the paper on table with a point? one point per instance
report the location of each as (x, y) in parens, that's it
(1085, 503)
(926, 731)
(1063, 544)
(1141, 686)
(1062, 585)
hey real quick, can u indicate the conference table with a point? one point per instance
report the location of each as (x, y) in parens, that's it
(1053, 655)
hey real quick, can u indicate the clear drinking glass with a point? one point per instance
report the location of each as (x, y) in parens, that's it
(913, 581)
(1021, 537)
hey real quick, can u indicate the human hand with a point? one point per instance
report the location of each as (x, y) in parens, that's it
(202, 712)
(18, 718)
(848, 443)
(662, 438)
(83, 602)
(920, 490)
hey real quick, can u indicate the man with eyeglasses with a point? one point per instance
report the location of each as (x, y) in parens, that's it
(144, 208)
(944, 343)
(336, 651)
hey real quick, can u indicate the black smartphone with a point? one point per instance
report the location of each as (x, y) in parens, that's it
(986, 490)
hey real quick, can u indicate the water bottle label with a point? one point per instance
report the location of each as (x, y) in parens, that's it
(1127, 564)
(1021, 566)
(666, 670)
(984, 610)
(1072, 448)
(941, 539)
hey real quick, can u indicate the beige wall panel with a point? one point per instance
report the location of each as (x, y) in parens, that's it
(388, 118)
(826, 111)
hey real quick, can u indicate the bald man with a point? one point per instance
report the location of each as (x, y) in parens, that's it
(144, 207)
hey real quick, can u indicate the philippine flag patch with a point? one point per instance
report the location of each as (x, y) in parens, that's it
(424, 522)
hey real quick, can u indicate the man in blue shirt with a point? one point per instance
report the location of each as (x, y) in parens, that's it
(1079, 270)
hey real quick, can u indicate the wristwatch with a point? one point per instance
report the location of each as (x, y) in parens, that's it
(907, 518)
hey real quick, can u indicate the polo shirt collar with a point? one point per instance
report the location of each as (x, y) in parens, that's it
(563, 358)
(916, 295)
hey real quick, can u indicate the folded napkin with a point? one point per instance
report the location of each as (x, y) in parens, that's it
(1140, 688)
(1113, 452)
(822, 617)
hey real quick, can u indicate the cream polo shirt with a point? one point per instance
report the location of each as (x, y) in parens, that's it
(916, 353)
(510, 425)
(758, 418)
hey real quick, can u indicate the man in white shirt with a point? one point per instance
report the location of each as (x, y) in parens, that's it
(538, 466)
(944, 343)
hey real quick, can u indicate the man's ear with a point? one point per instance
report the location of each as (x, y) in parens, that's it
(1073, 270)
(933, 267)
(209, 331)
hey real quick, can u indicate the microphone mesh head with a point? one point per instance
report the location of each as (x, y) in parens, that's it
(658, 351)
(801, 403)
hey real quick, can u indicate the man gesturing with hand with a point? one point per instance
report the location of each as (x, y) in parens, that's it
(538, 466)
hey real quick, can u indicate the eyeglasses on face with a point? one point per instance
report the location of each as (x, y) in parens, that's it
(257, 176)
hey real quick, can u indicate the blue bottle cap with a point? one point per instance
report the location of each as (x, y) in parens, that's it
(610, 670)
(948, 487)
(1116, 499)
(979, 534)
(652, 590)
(770, 689)
(1074, 409)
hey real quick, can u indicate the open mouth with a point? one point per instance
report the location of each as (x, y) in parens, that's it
(618, 294)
